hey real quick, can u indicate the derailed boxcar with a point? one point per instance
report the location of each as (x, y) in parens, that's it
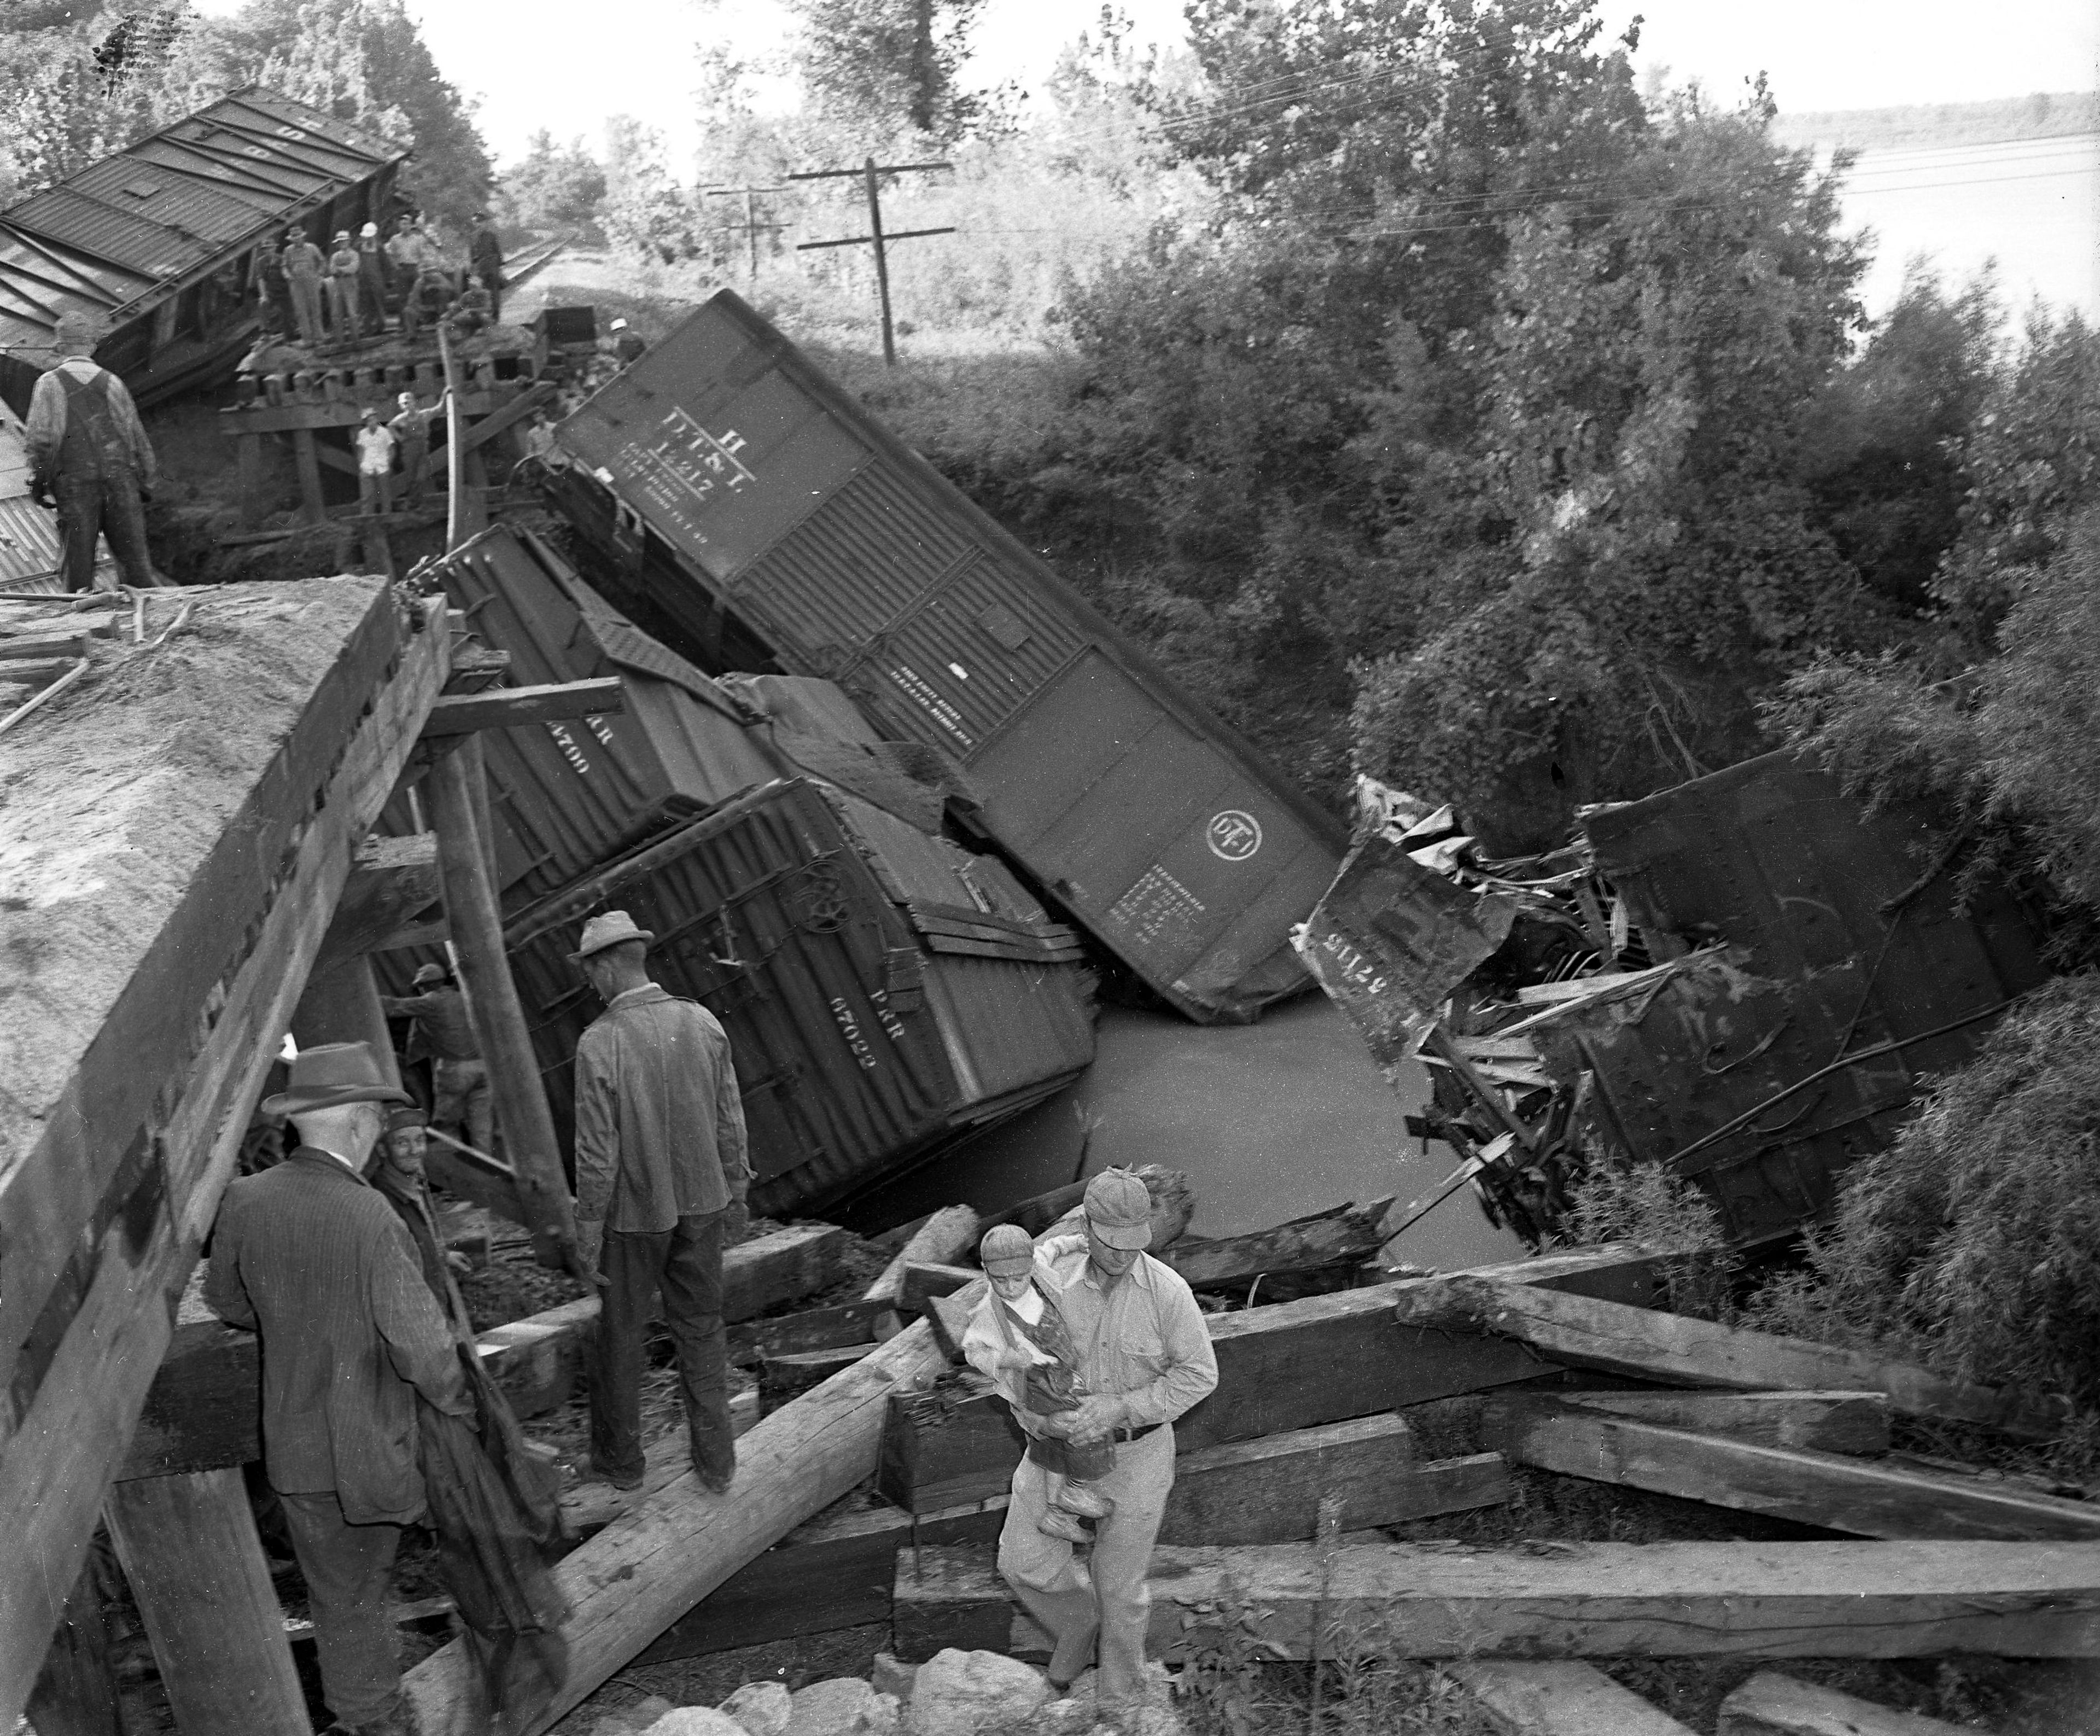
(884, 992)
(948, 997)
(751, 503)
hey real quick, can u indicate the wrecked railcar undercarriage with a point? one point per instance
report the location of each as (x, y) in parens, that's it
(1746, 979)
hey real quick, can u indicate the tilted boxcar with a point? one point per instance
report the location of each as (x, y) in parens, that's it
(750, 507)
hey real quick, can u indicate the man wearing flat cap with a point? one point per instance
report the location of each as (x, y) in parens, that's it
(662, 1172)
(89, 451)
(1145, 1357)
(312, 1258)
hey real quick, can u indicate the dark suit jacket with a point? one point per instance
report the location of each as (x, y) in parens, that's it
(316, 1260)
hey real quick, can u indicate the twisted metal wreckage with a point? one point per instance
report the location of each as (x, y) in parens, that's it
(1746, 979)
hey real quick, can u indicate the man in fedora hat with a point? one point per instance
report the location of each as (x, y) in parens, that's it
(459, 1077)
(88, 450)
(1145, 1357)
(661, 1175)
(312, 1258)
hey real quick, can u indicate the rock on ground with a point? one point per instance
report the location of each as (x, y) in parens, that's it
(963, 1694)
(845, 1706)
(695, 1721)
(761, 1707)
(894, 1675)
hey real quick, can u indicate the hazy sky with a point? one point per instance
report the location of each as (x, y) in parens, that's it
(536, 62)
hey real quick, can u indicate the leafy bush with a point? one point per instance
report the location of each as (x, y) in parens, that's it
(1644, 1203)
(1973, 1245)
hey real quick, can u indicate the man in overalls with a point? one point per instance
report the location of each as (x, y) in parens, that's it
(89, 453)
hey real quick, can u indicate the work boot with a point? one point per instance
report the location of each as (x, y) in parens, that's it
(1056, 1522)
(1080, 1499)
(589, 1472)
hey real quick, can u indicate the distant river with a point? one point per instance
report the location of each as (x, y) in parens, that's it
(2034, 205)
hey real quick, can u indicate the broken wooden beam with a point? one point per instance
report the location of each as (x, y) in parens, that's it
(76, 1692)
(1290, 1365)
(1342, 1236)
(1564, 1699)
(817, 1329)
(1270, 1490)
(204, 1410)
(1590, 1333)
(1829, 1490)
(112, 1202)
(392, 880)
(1663, 1600)
(1828, 1422)
(195, 1565)
(1770, 1704)
(835, 1572)
(947, 1234)
(923, 1283)
(473, 911)
(629, 1582)
(511, 708)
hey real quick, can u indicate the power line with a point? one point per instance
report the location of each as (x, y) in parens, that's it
(868, 171)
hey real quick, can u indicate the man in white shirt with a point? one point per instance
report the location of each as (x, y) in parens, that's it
(1145, 1357)
(375, 464)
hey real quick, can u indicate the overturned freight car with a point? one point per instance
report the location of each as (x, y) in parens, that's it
(752, 507)
(884, 989)
(1747, 979)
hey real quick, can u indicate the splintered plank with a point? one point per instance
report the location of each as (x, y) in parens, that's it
(73, 1431)
(1785, 1482)
(674, 1546)
(1828, 1422)
(1667, 1600)
(1770, 1704)
(1568, 1699)
(1270, 1490)
(1586, 1332)
(1337, 1237)
(949, 1233)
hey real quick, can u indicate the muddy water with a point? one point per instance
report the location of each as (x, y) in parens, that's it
(1271, 1121)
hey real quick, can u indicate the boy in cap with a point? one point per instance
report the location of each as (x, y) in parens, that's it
(1145, 1357)
(661, 1175)
(1018, 1338)
(314, 1259)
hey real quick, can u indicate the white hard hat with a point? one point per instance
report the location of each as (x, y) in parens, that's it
(619, 325)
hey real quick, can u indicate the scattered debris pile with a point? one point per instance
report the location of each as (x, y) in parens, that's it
(1743, 979)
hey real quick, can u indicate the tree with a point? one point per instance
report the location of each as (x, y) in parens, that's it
(557, 187)
(885, 67)
(72, 90)
(1880, 449)
(645, 212)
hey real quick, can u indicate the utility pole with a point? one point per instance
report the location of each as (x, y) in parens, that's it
(870, 171)
(751, 226)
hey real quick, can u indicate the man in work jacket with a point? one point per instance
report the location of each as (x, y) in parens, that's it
(661, 1175)
(1145, 1357)
(459, 1076)
(313, 1257)
(485, 257)
(88, 450)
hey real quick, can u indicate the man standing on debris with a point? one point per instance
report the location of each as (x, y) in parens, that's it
(459, 1075)
(661, 1175)
(305, 266)
(485, 255)
(312, 1258)
(376, 442)
(89, 454)
(371, 275)
(412, 428)
(1145, 1357)
(344, 313)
